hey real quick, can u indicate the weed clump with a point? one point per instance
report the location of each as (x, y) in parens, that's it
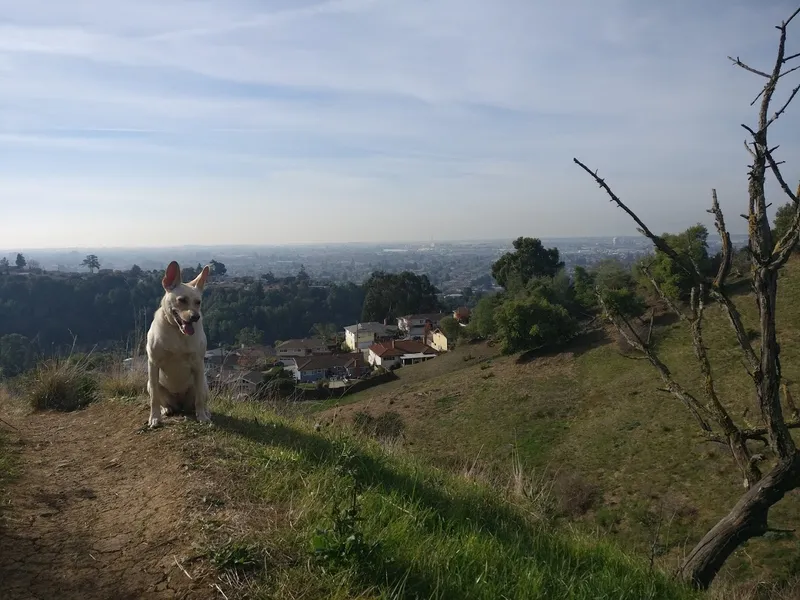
(60, 385)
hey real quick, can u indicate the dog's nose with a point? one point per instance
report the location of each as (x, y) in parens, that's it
(195, 317)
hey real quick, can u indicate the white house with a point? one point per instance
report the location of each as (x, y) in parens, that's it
(362, 335)
(398, 352)
(415, 325)
(437, 340)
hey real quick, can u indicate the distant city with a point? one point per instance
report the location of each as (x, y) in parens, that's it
(451, 266)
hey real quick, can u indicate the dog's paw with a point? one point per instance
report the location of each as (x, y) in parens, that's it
(154, 421)
(203, 416)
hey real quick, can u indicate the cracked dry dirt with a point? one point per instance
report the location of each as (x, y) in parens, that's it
(100, 511)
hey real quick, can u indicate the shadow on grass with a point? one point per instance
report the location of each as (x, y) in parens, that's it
(476, 514)
(578, 345)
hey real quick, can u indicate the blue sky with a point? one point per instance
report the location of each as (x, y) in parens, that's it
(166, 122)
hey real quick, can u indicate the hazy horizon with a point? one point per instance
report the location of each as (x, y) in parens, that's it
(310, 122)
(384, 243)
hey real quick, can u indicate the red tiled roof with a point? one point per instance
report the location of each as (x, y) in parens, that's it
(329, 361)
(400, 347)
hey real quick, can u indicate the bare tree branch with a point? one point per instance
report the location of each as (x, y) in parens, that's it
(737, 443)
(697, 409)
(752, 434)
(739, 63)
(658, 241)
(725, 238)
(783, 108)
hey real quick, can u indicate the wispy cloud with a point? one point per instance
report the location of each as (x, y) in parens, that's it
(289, 120)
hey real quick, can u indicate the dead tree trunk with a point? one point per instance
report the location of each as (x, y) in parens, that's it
(750, 516)
(747, 520)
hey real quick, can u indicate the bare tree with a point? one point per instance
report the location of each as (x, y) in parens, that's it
(770, 475)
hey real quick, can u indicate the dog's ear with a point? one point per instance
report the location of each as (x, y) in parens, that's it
(172, 276)
(199, 282)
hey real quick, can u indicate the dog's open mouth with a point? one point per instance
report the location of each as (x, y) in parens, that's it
(186, 327)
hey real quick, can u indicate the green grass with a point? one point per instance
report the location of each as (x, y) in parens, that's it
(331, 514)
(595, 413)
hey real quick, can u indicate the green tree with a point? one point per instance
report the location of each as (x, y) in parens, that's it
(450, 327)
(16, 355)
(482, 322)
(20, 262)
(392, 295)
(91, 262)
(4, 265)
(217, 268)
(528, 260)
(325, 331)
(530, 322)
(674, 277)
(136, 271)
(583, 286)
(303, 276)
(250, 336)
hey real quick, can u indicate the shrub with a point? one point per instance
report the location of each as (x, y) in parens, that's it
(389, 425)
(530, 322)
(61, 385)
(575, 496)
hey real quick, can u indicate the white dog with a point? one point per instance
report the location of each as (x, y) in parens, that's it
(176, 347)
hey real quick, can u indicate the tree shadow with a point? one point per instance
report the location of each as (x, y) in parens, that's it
(577, 346)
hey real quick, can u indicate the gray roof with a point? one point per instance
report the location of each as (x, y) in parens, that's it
(305, 343)
(370, 327)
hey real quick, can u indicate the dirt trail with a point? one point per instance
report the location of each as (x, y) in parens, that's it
(100, 511)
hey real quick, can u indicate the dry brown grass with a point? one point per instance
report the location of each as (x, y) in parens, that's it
(123, 382)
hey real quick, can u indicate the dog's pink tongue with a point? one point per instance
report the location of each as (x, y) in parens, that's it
(188, 329)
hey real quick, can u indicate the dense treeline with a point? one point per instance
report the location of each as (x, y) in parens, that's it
(540, 305)
(46, 313)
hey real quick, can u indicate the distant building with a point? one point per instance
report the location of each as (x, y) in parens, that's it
(416, 325)
(302, 347)
(362, 335)
(438, 340)
(462, 314)
(397, 353)
(315, 368)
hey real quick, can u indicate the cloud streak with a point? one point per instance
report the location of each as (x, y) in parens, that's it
(317, 120)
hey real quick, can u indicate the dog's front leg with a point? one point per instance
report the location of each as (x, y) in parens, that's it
(155, 390)
(201, 394)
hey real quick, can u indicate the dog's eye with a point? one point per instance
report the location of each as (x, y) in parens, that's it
(181, 300)
(198, 302)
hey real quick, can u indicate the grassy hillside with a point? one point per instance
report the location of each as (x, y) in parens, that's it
(264, 506)
(329, 514)
(627, 459)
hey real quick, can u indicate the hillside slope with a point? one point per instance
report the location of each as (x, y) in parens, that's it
(261, 506)
(597, 418)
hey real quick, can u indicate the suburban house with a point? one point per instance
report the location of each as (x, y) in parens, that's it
(399, 353)
(362, 335)
(462, 314)
(303, 347)
(315, 368)
(437, 340)
(415, 325)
